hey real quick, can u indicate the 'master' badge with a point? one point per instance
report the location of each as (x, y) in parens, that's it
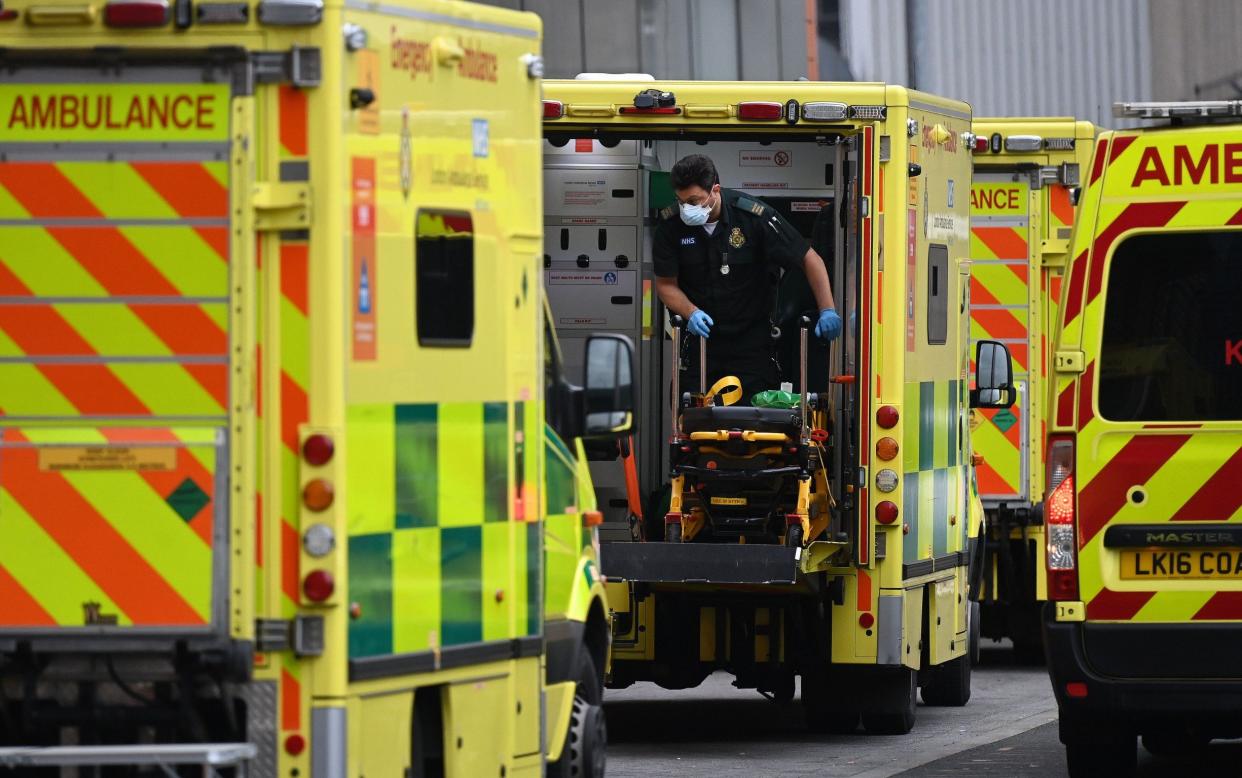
(736, 238)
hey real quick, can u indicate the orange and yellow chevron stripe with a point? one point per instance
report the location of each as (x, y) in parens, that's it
(114, 291)
(1000, 277)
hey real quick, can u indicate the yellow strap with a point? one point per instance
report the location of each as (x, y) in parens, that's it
(729, 397)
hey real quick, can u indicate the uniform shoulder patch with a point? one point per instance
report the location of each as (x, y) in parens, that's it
(754, 206)
(667, 212)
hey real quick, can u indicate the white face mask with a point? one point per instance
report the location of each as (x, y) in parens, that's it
(695, 215)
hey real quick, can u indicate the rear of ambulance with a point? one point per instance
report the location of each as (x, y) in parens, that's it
(1143, 510)
(127, 373)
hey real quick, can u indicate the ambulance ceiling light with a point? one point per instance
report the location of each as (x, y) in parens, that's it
(1024, 143)
(1172, 110)
(824, 112)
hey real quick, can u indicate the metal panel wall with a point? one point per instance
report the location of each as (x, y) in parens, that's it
(1008, 57)
(673, 39)
(1195, 49)
(873, 39)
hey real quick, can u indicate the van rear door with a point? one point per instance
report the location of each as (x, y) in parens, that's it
(114, 348)
(1159, 413)
(1000, 309)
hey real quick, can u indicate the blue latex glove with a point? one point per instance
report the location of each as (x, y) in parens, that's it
(829, 325)
(700, 324)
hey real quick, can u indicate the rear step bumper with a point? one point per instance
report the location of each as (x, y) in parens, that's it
(1183, 695)
(714, 563)
(170, 755)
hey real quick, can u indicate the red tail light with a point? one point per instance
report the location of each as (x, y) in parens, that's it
(136, 13)
(1060, 520)
(317, 450)
(886, 512)
(318, 586)
(887, 417)
(981, 144)
(553, 109)
(760, 112)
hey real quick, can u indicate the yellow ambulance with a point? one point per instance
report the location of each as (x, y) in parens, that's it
(1026, 171)
(1144, 551)
(867, 600)
(290, 472)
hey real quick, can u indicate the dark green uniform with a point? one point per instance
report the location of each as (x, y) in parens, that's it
(751, 243)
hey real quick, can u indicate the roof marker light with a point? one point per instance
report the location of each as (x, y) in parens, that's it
(553, 109)
(59, 15)
(869, 112)
(291, 13)
(760, 111)
(823, 112)
(1024, 143)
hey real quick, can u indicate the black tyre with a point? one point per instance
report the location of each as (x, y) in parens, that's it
(1115, 756)
(583, 755)
(948, 685)
(890, 710)
(672, 533)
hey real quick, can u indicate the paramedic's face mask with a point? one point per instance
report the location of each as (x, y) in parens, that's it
(696, 204)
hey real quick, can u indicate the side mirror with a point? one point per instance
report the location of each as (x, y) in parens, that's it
(993, 376)
(609, 387)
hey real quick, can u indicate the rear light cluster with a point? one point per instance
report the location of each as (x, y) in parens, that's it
(318, 495)
(1020, 143)
(886, 450)
(653, 102)
(1061, 520)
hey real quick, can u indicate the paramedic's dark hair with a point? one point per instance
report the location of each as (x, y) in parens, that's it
(692, 170)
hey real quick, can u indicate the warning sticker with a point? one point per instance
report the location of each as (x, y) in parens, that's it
(807, 206)
(585, 193)
(575, 277)
(365, 268)
(79, 458)
(765, 158)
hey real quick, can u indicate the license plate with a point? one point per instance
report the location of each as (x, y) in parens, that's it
(728, 501)
(1189, 564)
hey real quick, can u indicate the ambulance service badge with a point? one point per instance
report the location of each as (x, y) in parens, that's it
(736, 238)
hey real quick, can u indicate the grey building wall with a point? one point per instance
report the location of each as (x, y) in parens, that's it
(1007, 57)
(1195, 49)
(673, 39)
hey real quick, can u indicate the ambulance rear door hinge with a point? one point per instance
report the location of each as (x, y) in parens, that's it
(1054, 252)
(283, 205)
(1068, 362)
(301, 66)
(303, 634)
